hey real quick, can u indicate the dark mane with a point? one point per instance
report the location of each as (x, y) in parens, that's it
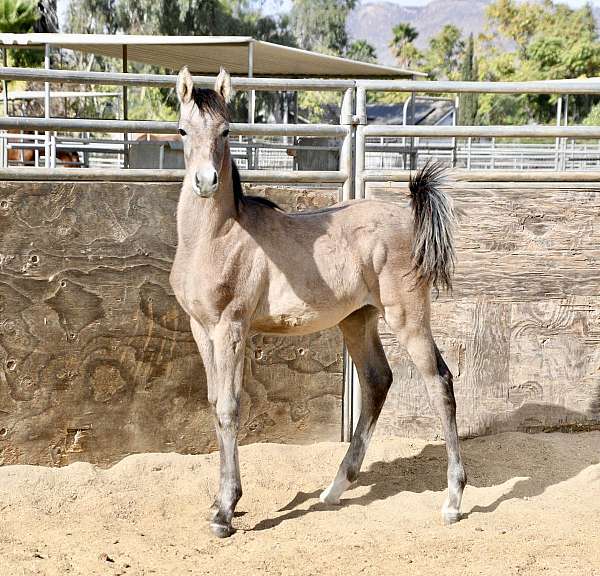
(213, 104)
(238, 192)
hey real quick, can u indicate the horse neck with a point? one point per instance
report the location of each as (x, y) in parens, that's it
(201, 219)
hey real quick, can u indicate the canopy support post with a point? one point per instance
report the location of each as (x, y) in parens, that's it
(251, 105)
(47, 105)
(125, 111)
(4, 161)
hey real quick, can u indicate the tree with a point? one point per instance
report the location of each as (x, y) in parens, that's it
(443, 57)
(172, 18)
(320, 25)
(551, 41)
(402, 45)
(47, 21)
(17, 17)
(593, 118)
(361, 50)
(467, 110)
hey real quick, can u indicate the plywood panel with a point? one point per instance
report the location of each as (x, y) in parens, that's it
(520, 331)
(96, 357)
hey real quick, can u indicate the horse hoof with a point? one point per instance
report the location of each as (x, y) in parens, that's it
(221, 530)
(327, 497)
(451, 517)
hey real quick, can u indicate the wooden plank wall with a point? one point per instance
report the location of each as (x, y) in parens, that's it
(521, 332)
(96, 358)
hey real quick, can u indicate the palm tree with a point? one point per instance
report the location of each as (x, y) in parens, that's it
(402, 43)
(361, 50)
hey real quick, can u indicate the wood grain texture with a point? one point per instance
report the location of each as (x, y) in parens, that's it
(521, 331)
(96, 357)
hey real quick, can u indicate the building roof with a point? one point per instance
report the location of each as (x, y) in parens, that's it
(206, 54)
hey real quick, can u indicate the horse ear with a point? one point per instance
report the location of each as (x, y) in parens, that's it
(223, 85)
(185, 85)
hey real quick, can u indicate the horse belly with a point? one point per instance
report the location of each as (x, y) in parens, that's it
(284, 311)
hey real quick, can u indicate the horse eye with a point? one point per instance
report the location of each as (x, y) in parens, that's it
(182, 132)
(225, 133)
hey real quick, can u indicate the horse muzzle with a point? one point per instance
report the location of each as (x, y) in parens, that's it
(205, 182)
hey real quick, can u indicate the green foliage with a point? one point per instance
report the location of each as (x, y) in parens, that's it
(593, 117)
(361, 50)
(175, 18)
(551, 40)
(18, 17)
(150, 103)
(320, 25)
(314, 106)
(443, 58)
(468, 103)
(405, 52)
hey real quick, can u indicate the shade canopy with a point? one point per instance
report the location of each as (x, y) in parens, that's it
(206, 54)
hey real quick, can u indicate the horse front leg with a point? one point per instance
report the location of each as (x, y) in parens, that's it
(206, 349)
(228, 340)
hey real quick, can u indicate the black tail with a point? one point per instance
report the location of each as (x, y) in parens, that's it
(433, 243)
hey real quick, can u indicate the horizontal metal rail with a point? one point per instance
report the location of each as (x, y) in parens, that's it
(490, 176)
(483, 131)
(292, 84)
(166, 175)
(151, 126)
(166, 80)
(289, 177)
(438, 86)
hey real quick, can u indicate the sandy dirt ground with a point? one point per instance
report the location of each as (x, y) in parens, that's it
(532, 506)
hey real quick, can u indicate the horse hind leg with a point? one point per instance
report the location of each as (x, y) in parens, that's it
(414, 333)
(363, 342)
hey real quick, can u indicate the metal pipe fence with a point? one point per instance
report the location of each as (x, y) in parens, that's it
(469, 155)
(341, 131)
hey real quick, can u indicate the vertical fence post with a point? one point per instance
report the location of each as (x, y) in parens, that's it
(4, 163)
(346, 155)
(251, 107)
(352, 393)
(413, 141)
(125, 67)
(455, 117)
(53, 151)
(557, 142)
(469, 141)
(347, 166)
(563, 160)
(47, 105)
(361, 113)
(4, 82)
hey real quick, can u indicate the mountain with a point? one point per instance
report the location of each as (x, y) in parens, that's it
(374, 21)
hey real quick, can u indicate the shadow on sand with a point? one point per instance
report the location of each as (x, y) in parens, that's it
(533, 471)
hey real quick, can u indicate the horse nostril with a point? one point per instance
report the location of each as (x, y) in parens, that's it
(215, 178)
